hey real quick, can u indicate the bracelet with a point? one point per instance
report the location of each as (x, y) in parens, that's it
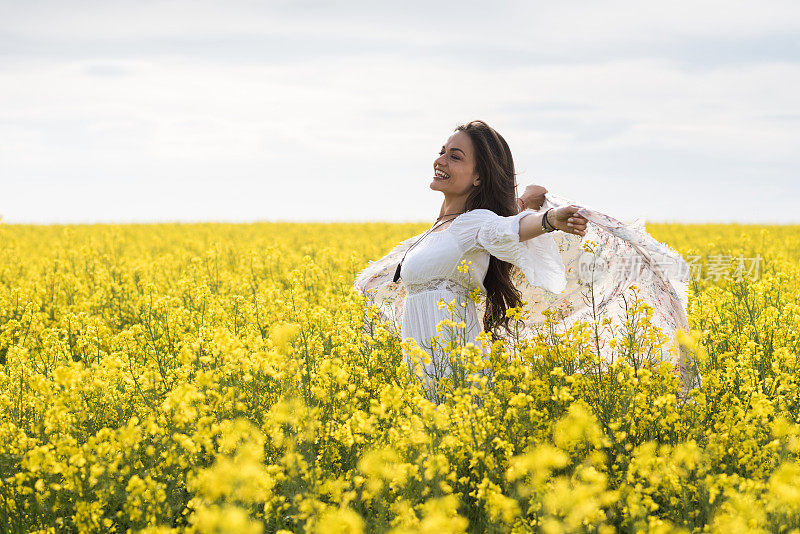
(519, 199)
(546, 224)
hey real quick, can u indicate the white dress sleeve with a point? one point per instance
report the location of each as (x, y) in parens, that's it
(376, 282)
(538, 258)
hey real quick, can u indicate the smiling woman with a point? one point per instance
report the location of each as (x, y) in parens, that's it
(475, 173)
(481, 226)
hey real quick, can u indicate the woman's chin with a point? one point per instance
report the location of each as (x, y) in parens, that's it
(436, 185)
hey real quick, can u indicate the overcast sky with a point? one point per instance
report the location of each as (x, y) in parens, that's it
(299, 110)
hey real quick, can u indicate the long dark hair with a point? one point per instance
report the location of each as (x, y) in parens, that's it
(496, 191)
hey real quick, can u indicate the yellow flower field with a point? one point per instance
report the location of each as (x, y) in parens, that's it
(222, 378)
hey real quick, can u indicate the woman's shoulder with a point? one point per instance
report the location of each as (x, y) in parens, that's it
(467, 225)
(479, 214)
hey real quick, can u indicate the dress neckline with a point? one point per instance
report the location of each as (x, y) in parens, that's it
(446, 228)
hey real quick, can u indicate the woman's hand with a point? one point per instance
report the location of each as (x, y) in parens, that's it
(566, 220)
(533, 197)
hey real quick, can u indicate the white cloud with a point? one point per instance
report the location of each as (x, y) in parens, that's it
(571, 22)
(350, 133)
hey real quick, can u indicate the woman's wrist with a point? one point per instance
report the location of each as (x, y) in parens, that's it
(547, 226)
(521, 204)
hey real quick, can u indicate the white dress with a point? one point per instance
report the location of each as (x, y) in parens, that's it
(554, 272)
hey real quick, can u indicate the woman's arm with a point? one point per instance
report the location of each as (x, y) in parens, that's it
(564, 218)
(509, 239)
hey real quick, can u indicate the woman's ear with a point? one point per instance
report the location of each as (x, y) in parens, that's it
(476, 182)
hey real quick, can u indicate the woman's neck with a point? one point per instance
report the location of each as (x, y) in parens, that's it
(452, 205)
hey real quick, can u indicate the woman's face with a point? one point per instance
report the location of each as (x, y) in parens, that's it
(454, 169)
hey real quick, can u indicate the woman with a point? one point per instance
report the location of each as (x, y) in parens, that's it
(481, 224)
